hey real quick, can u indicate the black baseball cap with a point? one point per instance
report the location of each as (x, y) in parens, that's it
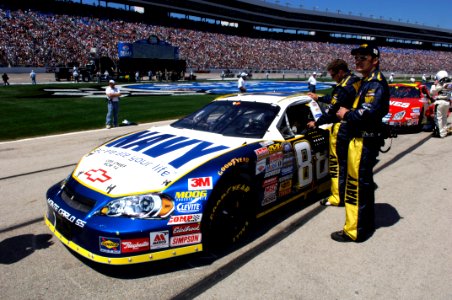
(367, 49)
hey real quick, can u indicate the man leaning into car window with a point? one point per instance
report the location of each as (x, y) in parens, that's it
(343, 94)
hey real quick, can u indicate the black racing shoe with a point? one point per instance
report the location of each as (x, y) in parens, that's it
(341, 236)
(325, 202)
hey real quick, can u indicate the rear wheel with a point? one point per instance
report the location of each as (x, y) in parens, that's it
(230, 213)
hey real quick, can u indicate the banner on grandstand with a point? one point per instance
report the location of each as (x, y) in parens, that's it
(147, 50)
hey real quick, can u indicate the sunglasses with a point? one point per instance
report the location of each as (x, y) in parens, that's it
(361, 57)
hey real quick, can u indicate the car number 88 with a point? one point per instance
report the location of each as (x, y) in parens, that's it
(304, 163)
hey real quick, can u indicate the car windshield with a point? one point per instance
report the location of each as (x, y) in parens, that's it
(231, 118)
(404, 92)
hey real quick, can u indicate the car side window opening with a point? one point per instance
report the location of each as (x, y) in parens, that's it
(295, 120)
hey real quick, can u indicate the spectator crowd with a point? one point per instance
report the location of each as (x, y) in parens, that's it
(34, 39)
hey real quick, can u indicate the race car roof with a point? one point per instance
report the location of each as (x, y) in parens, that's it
(278, 98)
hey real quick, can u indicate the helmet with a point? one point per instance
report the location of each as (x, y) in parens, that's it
(441, 75)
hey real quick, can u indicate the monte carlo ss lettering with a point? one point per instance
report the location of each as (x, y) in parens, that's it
(196, 184)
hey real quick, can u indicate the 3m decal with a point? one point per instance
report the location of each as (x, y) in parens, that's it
(201, 183)
(159, 239)
(110, 245)
(97, 175)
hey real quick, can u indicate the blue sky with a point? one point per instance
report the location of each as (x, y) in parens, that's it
(429, 13)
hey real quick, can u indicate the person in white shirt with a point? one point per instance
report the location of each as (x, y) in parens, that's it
(441, 92)
(312, 82)
(391, 78)
(113, 93)
(241, 83)
(33, 77)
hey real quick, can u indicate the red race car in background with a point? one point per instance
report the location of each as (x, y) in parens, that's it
(409, 103)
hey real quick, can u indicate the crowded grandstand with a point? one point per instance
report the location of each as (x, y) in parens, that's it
(37, 38)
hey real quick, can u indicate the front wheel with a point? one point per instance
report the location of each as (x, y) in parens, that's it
(229, 215)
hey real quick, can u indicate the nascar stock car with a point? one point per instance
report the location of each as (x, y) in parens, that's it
(409, 103)
(198, 182)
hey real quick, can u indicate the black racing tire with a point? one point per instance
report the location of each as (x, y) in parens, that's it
(230, 213)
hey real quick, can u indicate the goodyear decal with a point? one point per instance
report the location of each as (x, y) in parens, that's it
(232, 163)
(155, 144)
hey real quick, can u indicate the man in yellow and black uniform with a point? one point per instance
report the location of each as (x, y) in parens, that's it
(343, 94)
(364, 124)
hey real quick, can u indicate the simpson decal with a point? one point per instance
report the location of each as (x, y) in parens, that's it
(185, 239)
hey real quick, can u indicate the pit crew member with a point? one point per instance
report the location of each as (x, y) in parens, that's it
(343, 95)
(364, 123)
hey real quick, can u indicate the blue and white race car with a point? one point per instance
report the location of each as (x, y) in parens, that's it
(200, 181)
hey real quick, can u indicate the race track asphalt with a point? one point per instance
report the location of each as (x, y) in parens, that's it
(408, 257)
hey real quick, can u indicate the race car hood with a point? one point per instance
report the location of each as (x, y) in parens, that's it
(398, 104)
(148, 160)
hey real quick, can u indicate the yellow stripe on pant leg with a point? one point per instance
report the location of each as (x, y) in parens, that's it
(334, 166)
(352, 187)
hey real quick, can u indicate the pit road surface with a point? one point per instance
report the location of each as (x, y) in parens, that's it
(408, 257)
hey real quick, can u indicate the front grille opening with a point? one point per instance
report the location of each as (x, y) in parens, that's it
(76, 201)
